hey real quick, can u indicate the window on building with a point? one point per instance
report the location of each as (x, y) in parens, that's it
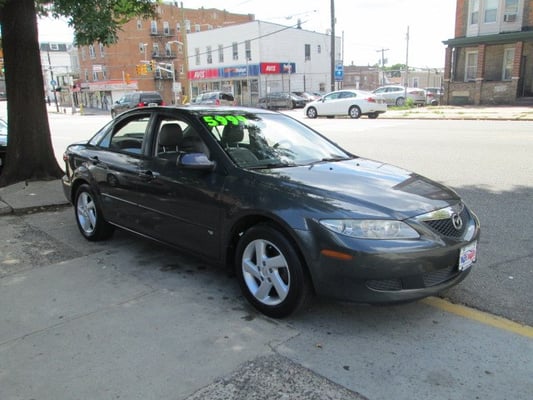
(248, 50)
(95, 76)
(102, 50)
(86, 76)
(471, 66)
(187, 26)
(474, 12)
(491, 11)
(155, 50)
(104, 73)
(510, 10)
(220, 53)
(178, 27)
(139, 24)
(508, 61)
(83, 55)
(92, 54)
(141, 47)
(209, 27)
(235, 50)
(319, 49)
(153, 27)
(54, 46)
(209, 55)
(168, 50)
(182, 69)
(307, 51)
(166, 28)
(197, 27)
(197, 56)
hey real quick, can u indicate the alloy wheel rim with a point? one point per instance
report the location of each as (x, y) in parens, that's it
(266, 272)
(86, 212)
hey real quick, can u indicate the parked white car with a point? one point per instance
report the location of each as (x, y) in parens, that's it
(396, 95)
(352, 103)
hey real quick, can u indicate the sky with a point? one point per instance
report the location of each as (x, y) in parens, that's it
(367, 26)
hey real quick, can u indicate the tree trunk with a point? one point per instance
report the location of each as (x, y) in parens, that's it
(30, 155)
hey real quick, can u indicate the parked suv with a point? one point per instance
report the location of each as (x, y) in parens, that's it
(216, 99)
(136, 99)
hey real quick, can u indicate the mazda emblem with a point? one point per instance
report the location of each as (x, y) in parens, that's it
(457, 221)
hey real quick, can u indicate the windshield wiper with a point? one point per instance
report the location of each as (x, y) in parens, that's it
(273, 165)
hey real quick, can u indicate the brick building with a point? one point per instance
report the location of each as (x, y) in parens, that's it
(148, 55)
(490, 60)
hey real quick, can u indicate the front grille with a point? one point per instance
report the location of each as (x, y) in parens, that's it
(445, 226)
(425, 280)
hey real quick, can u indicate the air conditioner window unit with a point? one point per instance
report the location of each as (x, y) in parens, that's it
(509, 18)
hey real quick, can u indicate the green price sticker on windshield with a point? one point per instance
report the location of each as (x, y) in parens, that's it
(217, 120)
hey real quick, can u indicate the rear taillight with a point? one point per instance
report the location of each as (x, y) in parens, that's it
(217, 102)
(141, 104)
(163, 103)
(371, 100)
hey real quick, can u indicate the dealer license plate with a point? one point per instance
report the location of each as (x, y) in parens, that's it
(467, 256)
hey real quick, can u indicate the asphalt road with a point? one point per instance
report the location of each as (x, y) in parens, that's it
(129, 319)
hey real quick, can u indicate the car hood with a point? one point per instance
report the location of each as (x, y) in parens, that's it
(360, 186)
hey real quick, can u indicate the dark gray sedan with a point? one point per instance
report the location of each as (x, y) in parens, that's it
(290, 212)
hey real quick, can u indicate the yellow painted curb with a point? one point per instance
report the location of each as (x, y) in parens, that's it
(480, 316)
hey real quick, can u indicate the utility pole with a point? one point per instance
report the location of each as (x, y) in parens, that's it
(406, 63)
(52, 78)
(382, 65)
(332, 66)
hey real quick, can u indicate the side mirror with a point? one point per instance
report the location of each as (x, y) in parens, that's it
(197, 161)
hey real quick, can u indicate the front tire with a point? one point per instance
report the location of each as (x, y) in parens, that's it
(354, 112)
(311, 112)
(89, 218)
(270, 272)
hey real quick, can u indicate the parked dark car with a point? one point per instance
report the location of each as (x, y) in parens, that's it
(288, 210)
(216, 99)
(135, 100)
(281, 100)
(3, 142)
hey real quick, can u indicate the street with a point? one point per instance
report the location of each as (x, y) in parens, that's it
(127, 318)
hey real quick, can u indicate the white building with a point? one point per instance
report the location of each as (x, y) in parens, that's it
(256, 58)
(57, 67)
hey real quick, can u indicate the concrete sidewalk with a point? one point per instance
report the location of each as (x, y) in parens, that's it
(31, 197)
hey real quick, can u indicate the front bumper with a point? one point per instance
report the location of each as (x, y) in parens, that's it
(381, 271)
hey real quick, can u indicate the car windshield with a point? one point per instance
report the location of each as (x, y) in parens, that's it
(256, 140)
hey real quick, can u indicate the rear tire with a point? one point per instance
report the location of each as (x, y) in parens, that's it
(89, 218)
(270, 272)
(400, 101)
(373, 115)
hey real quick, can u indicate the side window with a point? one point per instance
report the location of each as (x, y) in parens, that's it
(178, 136)
(127, 136)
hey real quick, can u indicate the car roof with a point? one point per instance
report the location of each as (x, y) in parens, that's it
(201, 109)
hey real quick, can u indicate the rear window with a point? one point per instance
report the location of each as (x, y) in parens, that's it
(151, 98)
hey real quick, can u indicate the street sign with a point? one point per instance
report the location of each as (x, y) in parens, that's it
(339, 72)
(53, 83)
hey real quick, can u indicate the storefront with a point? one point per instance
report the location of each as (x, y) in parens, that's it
(246, 82)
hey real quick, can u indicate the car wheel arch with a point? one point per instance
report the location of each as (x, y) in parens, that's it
(249, 221)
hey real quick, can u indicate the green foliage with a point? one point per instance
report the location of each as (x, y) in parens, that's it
(97, 20)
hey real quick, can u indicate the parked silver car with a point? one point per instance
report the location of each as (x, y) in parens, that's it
(397, 95)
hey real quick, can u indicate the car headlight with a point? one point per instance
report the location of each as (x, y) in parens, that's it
(371, 228)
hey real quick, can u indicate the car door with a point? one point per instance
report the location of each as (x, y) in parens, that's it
(179, 205)
(114, 164)
(330, 104)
